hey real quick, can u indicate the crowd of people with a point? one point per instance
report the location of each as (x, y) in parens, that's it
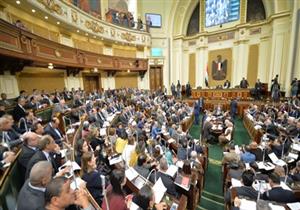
(126, 19)
(138, 136)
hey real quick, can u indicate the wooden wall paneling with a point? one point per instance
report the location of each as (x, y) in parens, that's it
(192, 69)
(125, 79)
(253, 64)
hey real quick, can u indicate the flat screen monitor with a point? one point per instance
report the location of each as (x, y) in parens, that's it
(218, 12)
(154, 20)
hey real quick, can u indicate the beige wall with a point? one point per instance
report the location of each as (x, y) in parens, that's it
(128, 80)
(253, 64)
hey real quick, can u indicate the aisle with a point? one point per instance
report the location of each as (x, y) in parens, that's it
(212, 196)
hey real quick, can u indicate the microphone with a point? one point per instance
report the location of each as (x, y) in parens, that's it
(153, 170)
(103, 184)
(282, 151)
(25, 124)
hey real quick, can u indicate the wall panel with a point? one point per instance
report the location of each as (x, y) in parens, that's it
(128, 80)
(253, 64)
(192, 69)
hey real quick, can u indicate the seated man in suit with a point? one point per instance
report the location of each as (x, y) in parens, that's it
(48, 150)
(30, 146)
(32, 194)
(166, 179)
(226, 84)
(246, 190)
(8, 136)
(53, 130)
(277, 193)
(142, 167)
(60, 107)
(6, 156)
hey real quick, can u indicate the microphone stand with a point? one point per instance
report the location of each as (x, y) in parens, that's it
(25, 124)
(153, 170)
(282, 151)
(104, 191)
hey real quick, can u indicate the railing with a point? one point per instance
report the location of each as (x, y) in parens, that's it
(69, 14)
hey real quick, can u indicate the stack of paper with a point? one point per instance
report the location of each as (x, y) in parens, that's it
(236, 182)
(247, 205)
(139, 182)
(159, 190)
(296, 147)
(265, 166)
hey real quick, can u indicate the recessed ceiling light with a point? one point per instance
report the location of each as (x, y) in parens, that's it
(77, 31)
(18, 2)
(33, 10)
(57, 22)
(46, 17)
(50, 64)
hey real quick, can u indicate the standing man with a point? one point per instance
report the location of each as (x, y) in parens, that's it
(244, 83)
(188, 89)
(233, 108)
(178, 89)
(294, 87)
(173, 90)
(258, 89)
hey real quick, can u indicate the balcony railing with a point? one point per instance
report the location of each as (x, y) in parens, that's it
(73, 16)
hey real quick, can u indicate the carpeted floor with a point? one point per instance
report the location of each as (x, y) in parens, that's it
(212, 196)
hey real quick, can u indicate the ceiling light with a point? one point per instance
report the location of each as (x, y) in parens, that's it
(46, 17)
(33, 10)
(50, 64)
(57, 22)
(18, 2)
(95, 69)
(50, 67)
(128, 70)
(77, 31)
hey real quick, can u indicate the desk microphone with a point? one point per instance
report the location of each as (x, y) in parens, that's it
(103, 191)
(153, 170)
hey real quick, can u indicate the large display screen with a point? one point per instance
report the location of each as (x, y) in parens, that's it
(153, 20)
(218, 12)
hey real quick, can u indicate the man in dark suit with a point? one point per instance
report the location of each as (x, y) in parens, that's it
(31, 141)
(226, 84)
(233, 108)
(8, 136)
(32, 194)
(53, 130)
(19, 111)
(258, 89)
(49, 151)
(277, 193)
(207, 129)
(142, 167)
(166, 179)
(244, 83)
(246, 190)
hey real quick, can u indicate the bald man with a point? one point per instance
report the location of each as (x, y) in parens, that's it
(32, 194)
(31, 141)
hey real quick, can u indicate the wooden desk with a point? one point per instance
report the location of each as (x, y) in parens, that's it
(243, 94)
(187, 123)
(249, 125)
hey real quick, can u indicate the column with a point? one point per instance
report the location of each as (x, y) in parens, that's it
(9, 85)
(184, 77)
(176, 62)
(201, 62)
(264, 59)
(240, 62)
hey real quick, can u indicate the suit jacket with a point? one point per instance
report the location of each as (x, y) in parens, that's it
(142, 170)
(30, 199)
(94, 185)
(24, 157)
(40, 156)
(244, 191)
(51, 131)
(18, 113)
(12, 141)
(168, 182)
(206, 130)
(278, 194)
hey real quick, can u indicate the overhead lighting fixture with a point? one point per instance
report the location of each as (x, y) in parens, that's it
(95, 69)
(18, 2)
(128, 70)
(46, 17)
(57, 22)
(78, 31)
(50, 66)
(33, 10)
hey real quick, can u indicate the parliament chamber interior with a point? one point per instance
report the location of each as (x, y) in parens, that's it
(149, 104)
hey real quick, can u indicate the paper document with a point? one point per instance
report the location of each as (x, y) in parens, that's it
(296, 147)
(72, 164)
(139, 182)
(247, 205)
(236, 182)
(179, 163)
(78, 183)
(276, 207)
(265, 165)
(133, 206)
(294, 206)
(159, 190)
(63, 152)
(103, 132)
(115, 160)
(275, 160)
(131, 174)
(284, 186)
(172, 170)
(293, 155)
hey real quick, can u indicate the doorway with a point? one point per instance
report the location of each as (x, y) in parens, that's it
(156, 77)
(91, 82)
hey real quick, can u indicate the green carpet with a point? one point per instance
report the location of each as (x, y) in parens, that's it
(212, 195)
